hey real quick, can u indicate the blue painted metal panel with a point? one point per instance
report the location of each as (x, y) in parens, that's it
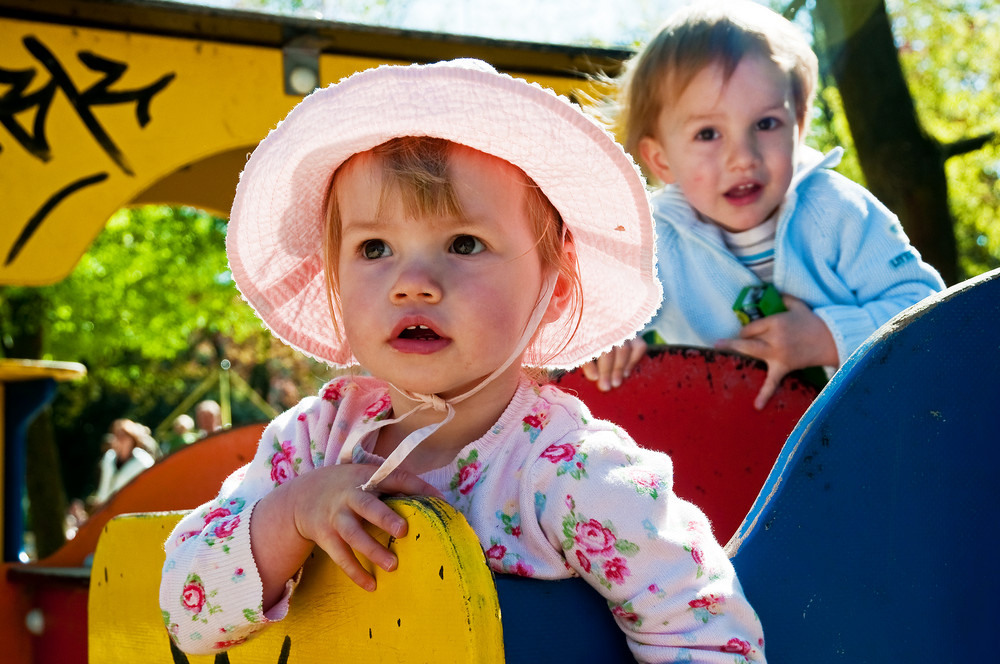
(564, 621)
(22, 402)
(874, 538)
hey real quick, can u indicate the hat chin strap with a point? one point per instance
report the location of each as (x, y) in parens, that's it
(434, 402)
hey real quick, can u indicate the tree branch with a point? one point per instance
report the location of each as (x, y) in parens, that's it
(966, 145)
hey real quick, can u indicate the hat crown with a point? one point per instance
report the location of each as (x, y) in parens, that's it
(275, 242)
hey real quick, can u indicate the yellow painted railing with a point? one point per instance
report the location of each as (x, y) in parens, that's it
(440, 605)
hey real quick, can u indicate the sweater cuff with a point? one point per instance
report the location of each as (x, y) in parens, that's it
(280, 608)
(850, 326)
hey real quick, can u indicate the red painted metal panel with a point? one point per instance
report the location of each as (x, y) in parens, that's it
(697, 406)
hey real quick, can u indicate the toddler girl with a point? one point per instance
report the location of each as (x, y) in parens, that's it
(443, 226)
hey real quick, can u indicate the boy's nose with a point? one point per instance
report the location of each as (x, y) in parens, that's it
(743, 154)
(416, 284)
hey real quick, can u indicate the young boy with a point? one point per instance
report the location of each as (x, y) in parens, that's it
(716, 106)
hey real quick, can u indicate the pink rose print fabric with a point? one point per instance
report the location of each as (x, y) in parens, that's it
(378, 410)
(284, 462)
(597, 548)
(549, 491)
(568, 460)
(470, 469)
(534, 422)
(505, 561)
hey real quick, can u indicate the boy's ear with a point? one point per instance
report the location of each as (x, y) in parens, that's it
(656, 159)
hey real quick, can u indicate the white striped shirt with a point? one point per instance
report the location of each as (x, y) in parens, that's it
(754, 248)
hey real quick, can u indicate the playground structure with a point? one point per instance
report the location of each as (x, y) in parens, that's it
(865, 541)
(106, 104)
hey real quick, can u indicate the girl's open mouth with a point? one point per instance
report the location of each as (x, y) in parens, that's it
(419, 339)
(419, 332)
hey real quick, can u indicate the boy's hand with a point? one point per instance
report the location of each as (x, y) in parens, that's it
(794, 339)
(612, 368)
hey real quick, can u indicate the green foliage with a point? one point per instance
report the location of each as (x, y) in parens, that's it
(153, 278)
(154, 283)
(150, 310)
(950, 51)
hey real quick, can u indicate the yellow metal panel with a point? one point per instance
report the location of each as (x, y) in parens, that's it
(104, 118)
(106, 114)
(17, 370)
(439, 606)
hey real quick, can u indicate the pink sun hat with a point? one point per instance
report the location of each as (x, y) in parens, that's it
(275, 244)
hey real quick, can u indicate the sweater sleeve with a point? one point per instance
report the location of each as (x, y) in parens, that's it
(880, 272)
(609, 507)
(210, 591)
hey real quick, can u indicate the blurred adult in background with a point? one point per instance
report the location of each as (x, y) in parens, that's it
(182, 433)
(207, 417)
(131, 450)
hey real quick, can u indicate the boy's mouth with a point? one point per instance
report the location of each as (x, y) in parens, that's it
(743, 193)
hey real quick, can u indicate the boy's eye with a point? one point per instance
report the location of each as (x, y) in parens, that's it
(372, 249)
(706, 134)
(466, 245)
(768, 124)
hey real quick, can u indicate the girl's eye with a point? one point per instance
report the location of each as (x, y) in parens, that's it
(706, 134)
(768, 124)
(466, 245)
(372, 249)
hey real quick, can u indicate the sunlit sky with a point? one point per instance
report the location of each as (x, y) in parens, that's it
(585, 22)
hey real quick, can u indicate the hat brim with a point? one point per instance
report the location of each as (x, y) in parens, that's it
(275, 242)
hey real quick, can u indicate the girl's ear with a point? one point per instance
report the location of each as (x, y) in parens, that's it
(562, 294)
(656, 159)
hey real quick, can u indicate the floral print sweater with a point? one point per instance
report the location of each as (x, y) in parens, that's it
(551, 493)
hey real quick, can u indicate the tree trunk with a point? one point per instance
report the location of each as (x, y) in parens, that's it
(47, 507)
(903, 166)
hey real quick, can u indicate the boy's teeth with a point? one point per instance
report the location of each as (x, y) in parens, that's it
(418, 327)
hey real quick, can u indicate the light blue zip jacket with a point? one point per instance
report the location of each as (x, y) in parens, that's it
(837, 248)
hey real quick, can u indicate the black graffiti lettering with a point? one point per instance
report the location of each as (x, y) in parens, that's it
(179, 657)
(39, 216)
(286, 650)
(176, 655)
(15, 100)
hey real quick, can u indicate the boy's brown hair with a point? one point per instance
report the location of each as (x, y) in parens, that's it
(705, 34)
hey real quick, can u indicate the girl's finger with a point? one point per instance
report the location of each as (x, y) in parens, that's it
(343, 556)
(374, 511)
(406, 483)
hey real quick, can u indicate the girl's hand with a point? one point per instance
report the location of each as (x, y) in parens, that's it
(611, 369)
(333, 512)
(326, 507)
(793, 339)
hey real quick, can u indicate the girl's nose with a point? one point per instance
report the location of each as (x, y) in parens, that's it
(416, 283)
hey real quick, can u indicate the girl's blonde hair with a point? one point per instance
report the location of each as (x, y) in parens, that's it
(416, 169)
(705, 34)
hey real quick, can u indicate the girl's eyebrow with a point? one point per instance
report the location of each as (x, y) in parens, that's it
(462, 225)
(364, 226)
